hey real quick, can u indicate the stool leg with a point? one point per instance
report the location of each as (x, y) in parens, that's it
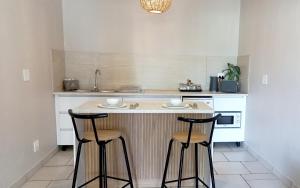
(180, 166)
(100, 167)
(167, 164)
(196, 165)
(127, 161)
(104, 167)
(211, 167)
(76, 164)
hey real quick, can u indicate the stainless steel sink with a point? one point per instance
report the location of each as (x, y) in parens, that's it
(92, 91)
(107, 91)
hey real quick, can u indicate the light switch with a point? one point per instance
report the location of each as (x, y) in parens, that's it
(26, 75)
(265, 79)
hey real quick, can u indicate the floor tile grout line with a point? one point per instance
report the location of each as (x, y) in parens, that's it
(247, 168)
(57, 166)
(246, 181)
(225, 156)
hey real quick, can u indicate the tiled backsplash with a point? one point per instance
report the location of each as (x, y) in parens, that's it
(147, 71)
(58, 69)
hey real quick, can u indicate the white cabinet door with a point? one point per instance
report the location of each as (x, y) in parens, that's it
(228, 104)
(64, 126)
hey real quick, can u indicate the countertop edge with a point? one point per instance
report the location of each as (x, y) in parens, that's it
(147, 93)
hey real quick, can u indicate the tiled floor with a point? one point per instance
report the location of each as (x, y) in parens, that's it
(234, 168)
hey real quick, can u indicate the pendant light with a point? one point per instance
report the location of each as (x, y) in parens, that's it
(156, 6)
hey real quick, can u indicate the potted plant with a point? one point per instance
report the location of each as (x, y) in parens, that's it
(232, 77)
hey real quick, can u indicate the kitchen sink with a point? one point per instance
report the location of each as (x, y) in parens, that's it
(120, 90)
(92, 91)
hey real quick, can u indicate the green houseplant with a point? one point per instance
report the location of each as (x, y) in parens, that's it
(232, 73)
(232, 77)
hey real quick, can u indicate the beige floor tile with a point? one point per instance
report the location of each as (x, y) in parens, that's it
(256, 167)
(71, 176)
(259, 177)
(219, 157)
(60, 159)
(230, 181)
(61, 184)
(224, 168)
(36, 184)
(220, 147)
(71, 162)
(266, 184)
(53, 173)
(239, 156)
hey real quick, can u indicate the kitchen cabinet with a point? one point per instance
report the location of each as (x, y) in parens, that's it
(231, 105)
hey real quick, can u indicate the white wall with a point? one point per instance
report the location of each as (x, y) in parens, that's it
(28, 31)
(194, 39)
(199, 27)
(270, 34)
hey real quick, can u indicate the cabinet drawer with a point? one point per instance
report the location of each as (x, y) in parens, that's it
(229, 103)
(66, 138)
(65, 103)
(65, 121)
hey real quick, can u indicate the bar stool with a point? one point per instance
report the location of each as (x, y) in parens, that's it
(101, 137)
(187, 138)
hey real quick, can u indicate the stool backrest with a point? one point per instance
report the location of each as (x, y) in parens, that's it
(85, 116)
(200, 121)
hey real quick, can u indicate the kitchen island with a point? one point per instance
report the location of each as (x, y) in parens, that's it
(147, 130)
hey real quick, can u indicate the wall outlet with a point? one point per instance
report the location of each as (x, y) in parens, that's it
(265, 79)
(26, 75)
(36, 146)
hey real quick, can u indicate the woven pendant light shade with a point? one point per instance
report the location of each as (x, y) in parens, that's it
(156, 6)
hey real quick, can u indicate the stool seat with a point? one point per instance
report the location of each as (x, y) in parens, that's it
(195, 137)
(103, 135)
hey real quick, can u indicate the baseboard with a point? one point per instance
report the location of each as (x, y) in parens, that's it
(23, 179)
(283, 178)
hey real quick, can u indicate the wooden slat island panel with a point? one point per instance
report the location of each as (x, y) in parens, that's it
(147, 137)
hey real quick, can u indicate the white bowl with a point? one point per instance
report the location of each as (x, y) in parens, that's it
(113, 101)
(175, 102)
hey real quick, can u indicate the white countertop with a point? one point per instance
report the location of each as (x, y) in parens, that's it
(144, 107)
(149, 93)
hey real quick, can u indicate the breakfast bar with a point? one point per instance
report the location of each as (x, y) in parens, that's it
(147, 127)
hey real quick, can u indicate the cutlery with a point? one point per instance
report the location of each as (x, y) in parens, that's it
(133, 106)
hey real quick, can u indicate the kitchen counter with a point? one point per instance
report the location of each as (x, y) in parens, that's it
(144, 107)
(149, 92)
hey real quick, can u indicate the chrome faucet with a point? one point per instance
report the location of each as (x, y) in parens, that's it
(96, 87)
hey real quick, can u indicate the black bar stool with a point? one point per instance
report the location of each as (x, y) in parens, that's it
(101, 137)
(187, 138)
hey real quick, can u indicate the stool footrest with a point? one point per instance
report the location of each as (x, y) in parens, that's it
(110, 177)
(203, 183)
(126, 185)
(90, 181)
(183, 179)
(115, 178)
(190, 178)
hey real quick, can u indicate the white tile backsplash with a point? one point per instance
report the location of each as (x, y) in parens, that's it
(147, 71)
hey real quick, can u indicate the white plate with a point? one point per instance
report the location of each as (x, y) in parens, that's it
(182, 106)
(112, 106)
